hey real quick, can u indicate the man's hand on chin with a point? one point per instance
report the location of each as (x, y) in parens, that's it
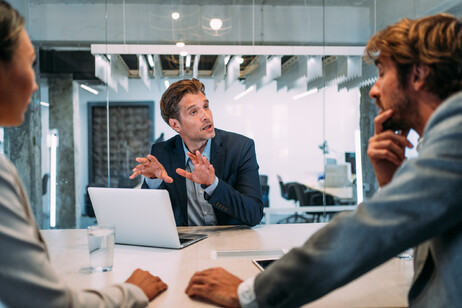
(215, 285)
(386, 149)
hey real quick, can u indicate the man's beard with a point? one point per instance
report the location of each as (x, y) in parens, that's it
(403, 113)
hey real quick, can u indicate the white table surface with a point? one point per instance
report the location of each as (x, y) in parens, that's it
(386, 286)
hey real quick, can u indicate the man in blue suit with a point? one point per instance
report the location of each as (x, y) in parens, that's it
(211, 175)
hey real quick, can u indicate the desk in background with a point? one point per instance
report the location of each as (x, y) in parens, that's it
(305, 209)
(386, 286)
(343, 193)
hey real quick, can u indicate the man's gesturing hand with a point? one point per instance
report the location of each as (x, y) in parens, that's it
(386, 149)
(150, 167)
(203, 172)
(216, 285)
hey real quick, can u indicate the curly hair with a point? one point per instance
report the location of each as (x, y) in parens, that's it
(169, 103)
(11, 25)
(434, 41)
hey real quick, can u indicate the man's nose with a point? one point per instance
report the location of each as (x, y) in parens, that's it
(204, 115)
(375, 91)
(35, 87)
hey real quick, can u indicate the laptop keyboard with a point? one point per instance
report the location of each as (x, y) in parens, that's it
(185, 240)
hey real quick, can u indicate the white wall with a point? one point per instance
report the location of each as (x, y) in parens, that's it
(286, 132)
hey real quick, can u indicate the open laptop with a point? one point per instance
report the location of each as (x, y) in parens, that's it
(141, 217)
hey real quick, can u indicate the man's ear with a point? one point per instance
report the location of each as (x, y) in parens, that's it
(419, 76)
(175, 124)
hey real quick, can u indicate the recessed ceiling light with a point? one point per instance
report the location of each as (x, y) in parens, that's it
(216, 23)
(89, 89)
(175, 15)
(180, 44)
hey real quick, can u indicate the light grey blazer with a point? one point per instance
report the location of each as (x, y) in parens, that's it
(27, 278)
(422, 207)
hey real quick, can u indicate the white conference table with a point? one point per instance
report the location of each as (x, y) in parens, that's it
(236, 246)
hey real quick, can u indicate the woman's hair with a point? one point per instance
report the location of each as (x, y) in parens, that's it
(170, 101)
(11, 25)
(434, 41)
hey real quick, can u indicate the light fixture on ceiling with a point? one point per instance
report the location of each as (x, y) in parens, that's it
(250, 89)
(298, 96)
(216, 26)
(180, 44)
(45, 104)
(216, 23)
(151, 61)
(188, 61)
(91, 90)
(175, 15)
(167, 84)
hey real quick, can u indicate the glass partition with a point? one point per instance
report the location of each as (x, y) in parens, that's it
(287, 74)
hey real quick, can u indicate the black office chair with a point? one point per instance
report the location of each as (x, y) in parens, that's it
(294, 191)
(264, 190)
(316, 197)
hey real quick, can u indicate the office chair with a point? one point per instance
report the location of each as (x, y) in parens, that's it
(264, 190)
(294, 191)
(315, 197)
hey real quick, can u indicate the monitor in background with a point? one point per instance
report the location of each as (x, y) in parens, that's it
(350, 157)
(331, 161)
(338, 175)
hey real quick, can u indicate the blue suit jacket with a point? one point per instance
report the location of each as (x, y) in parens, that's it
(237, 199)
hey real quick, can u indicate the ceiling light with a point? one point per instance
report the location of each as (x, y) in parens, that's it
(244, 93)
(44, 104)
(91, 90)
(216, 23)
(167, 84)
(305, 94)
(151, 60)
(175, 15)
(180, 44)
(188, 61)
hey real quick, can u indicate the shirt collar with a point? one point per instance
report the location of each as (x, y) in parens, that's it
(205, 153)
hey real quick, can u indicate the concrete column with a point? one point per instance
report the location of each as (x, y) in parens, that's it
(61, 111)
(368, 111)
(22, 145)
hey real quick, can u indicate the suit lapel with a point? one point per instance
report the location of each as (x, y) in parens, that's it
(217, 155)
(177, 161)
